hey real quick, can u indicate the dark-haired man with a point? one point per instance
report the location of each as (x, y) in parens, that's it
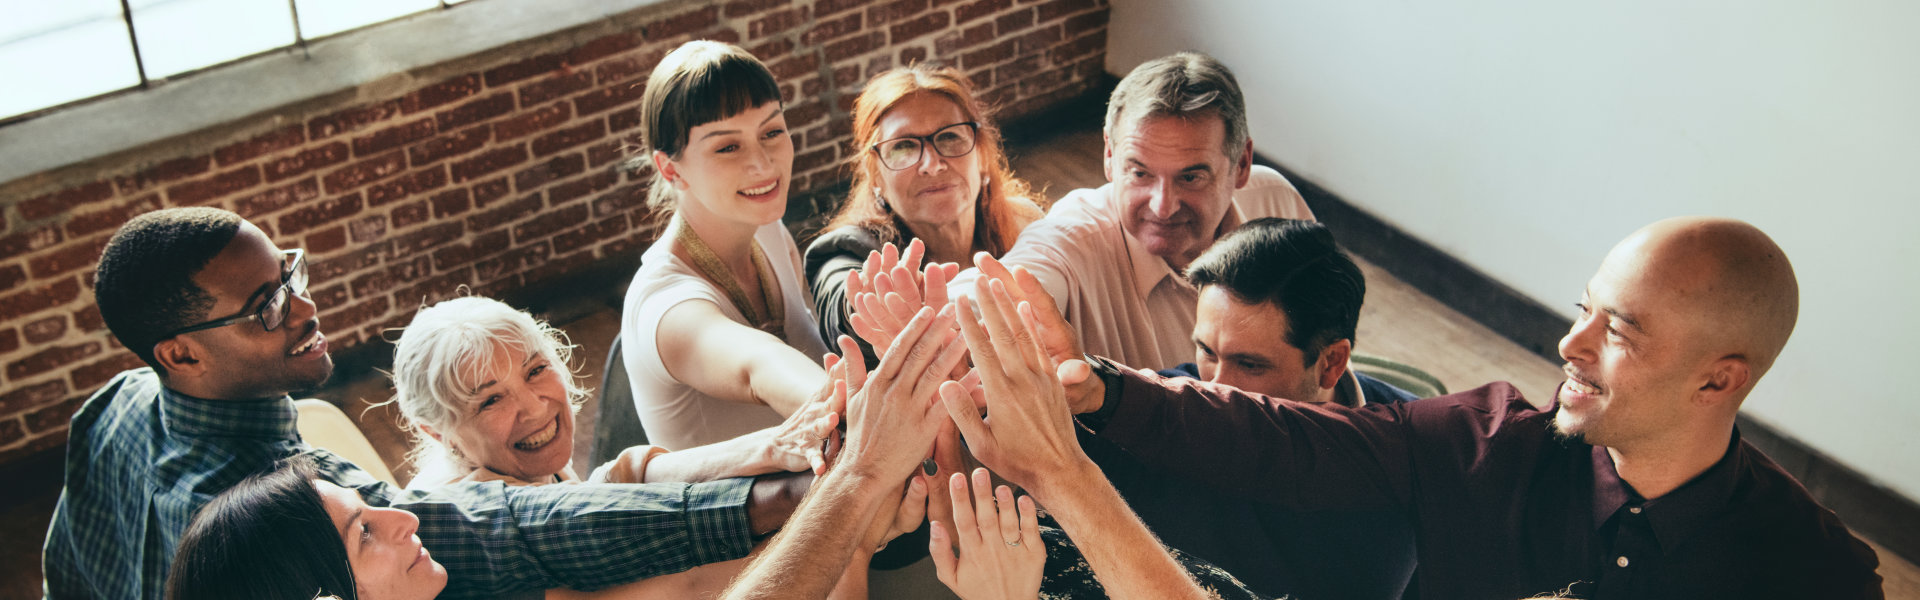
(222, 317)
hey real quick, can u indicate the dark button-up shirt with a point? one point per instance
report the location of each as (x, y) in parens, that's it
(1501, 507)
(141, 460)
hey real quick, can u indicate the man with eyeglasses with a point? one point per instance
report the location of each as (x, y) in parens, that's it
(1180, 172)
(222, 317)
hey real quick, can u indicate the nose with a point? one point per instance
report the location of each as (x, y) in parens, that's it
(400, 523)
(1577, 345)
(931, 162)
(759, 160)
(301, 307)
(1163, 203)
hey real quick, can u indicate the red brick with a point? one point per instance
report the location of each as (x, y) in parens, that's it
(12, 431)
(1043, 82)
(556, 267)
(26, 397)
(971, 37)
(77, 255)
(488, 162)
(52, 417)
(314, 215)
(11, 276)
(87, 319)
(35, 446)
(1058, 8)
(1018, 68)
(528, 122)
(327, 240)
(780, 46)
(108, 219)
(415, 182)
(202, 190)
(978, 9)
(20, 244)
(331, 296)
(1014, 21)
(805, 114)
(568, 138)
(550, 222)
(687, 22)
(905, 31)
(561, 167)
(809, 161)
(450, 203)
(741, 8)
(439, 94)
(1082, 23)
(91, 375)
(564, 192)
(989, 55)
(258, 205)
(350, 317)
(795, 66)
(178, 168)
(605, 98)
(830, 30)
(777, 22)
(603, 47)
(505, 213)
(49, 359)
(39, 298)
(435, 289)
(475, 111)
(557, 86)
(352, 119)
(855, 46)
(620, 201)
(523, 69)
(284, 138)
(379, 281)
(622, 120)
(827, 7)
(432, 236)
(327, 270)
(486, 192)
(517, 260)
(408, 215)
(365, 172)
(998, 98)
(393, 137)
(482, 246)
(306, 161)
(591, 234)
(65, 200)
(647, 229)
(1086, 45)
(728, 36)
(367, 229)
(452, 144)
(620, 69)
(41, 331)
(1037, 40)
(604, 152)
(893, 11)
(913, 55)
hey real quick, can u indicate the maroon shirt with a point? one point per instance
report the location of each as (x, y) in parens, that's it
(1502, 508)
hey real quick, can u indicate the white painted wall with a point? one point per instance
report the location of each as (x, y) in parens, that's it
(1526, 138)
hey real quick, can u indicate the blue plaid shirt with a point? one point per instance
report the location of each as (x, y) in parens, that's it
(141, 460)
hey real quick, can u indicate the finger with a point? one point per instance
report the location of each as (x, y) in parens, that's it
(829, 361)
(904, 283)
(890, 256)
(966, 417)
(951, 352)
(966, 527)
(1031, 322)
(1029, 525)
(916, 250)
(909, 348)
(937, 277)
(913, 507)
(998, 313)
(940, 545)
(1009, 517)
(856, 370)
(985, 516)
(901, 307)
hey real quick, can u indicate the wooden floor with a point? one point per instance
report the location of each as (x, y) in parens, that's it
(1397, 322)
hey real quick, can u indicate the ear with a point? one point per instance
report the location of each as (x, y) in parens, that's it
(663, 166)
(1726, 382)
(180, 356)
(428, 429)
(1244, 170)
(1333, 363)
(1106, 156)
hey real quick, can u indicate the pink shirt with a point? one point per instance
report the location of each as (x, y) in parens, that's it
(1126, 304)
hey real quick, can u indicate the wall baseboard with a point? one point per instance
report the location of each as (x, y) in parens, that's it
(1889, 518)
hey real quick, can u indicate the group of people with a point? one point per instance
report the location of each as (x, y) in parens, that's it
(1162, 367)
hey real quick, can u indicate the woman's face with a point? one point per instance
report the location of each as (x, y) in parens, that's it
(387, 559)
(736, 168)
(518, 421)
(937, 190)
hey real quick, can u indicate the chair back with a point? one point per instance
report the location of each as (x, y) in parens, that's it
(618, 424)
(1399, 374)
(323, 425)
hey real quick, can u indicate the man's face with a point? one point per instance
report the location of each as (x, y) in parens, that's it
(244, 360)
(1630, 363)
(1175, 180)
(1245, 346)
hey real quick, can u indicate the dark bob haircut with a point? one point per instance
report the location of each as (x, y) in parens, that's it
(144, 282)
(268, 537)
(1296, 266)
(698, 83)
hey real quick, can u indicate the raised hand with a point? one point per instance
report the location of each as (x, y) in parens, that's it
(1001, 557)
(886, 293)
(1030, 434)
(891, 415)
(1057, 338)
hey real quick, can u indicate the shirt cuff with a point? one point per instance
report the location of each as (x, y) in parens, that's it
(1109, 374)
(717, 521)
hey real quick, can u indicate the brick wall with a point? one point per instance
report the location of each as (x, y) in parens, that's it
(497, 171)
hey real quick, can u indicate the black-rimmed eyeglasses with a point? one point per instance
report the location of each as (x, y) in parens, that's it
(272, 313)
(952, 141)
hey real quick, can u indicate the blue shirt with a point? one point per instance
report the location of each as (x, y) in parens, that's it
(142, 460)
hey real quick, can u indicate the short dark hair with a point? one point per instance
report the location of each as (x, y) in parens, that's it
(698, 83)
(267, 537)
(1296, 266)
(144, 282)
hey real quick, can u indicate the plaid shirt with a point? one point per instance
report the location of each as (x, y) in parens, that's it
(141, 460)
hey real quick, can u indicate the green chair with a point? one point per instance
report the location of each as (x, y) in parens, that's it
(618, 426)
(1399, 374)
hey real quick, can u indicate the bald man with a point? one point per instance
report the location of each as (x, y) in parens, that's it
(1632, 483)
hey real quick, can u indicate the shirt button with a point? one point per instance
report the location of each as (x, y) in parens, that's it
(1634, 510)
(1622, 561)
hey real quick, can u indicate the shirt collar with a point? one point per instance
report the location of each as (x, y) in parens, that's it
(1677, 514)
(271, 418)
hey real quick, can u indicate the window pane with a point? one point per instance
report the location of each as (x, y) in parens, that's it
(326, 17)
(57, 52)
(183, 35)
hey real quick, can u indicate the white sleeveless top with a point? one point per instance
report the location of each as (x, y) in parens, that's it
(674, 414)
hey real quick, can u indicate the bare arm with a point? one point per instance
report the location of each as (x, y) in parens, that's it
(704, 349)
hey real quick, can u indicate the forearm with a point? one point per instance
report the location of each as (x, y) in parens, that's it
(1126, 557)
(773, 499)
(784, 379)
(808, 557)
(744, 456)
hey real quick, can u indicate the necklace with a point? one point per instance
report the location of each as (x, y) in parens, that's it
(711, 267)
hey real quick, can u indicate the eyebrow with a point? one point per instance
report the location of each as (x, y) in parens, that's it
(351, 518)
(1626, 318)
(1188, 169)
(769, 118)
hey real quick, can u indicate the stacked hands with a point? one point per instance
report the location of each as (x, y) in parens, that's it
(922, 399)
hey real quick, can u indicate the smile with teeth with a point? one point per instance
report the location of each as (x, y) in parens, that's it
(539, 438)
(313, 339)
(1577, 386)
(762, 190)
